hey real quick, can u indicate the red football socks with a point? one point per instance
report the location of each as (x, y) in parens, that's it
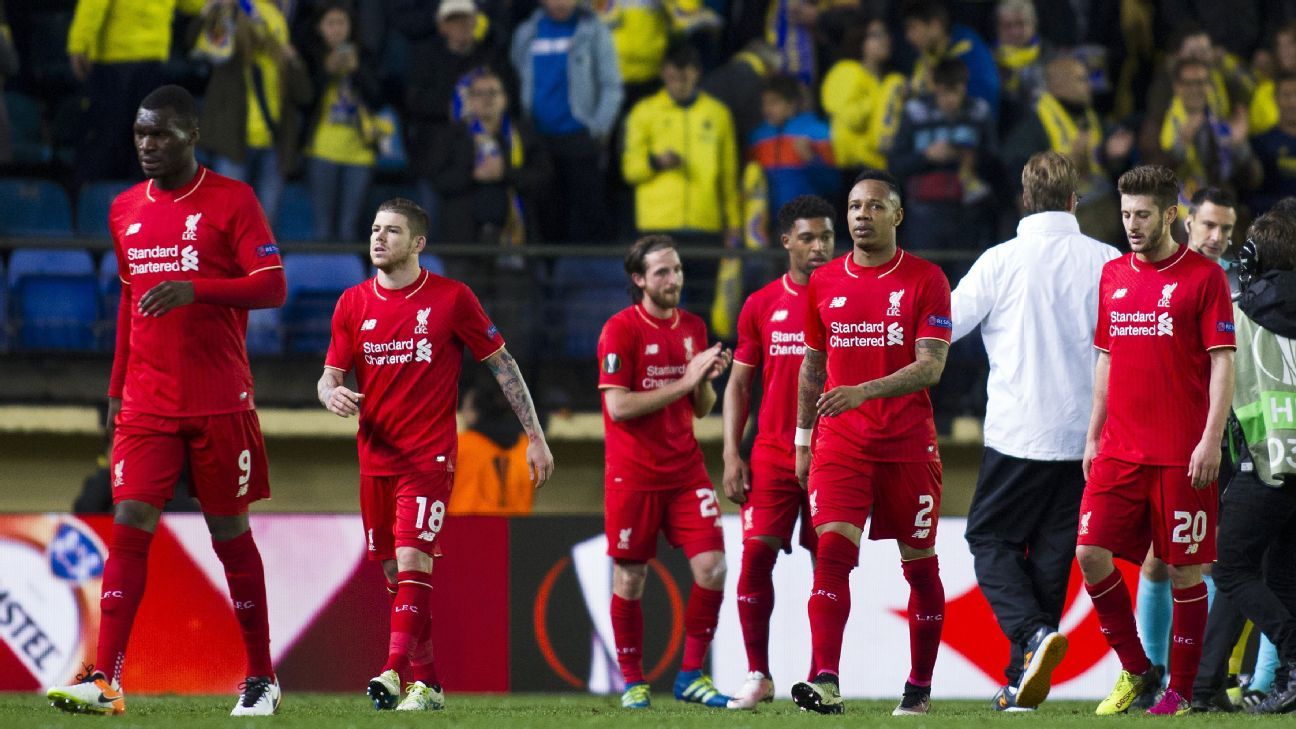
(1111, 601)
(627, 630)
(926, 616)
(700, 619)
(408, 617)
(1187, 631)
(246, 579)
(830, 599)
(756, 601)
(422, 666)
(123, 587)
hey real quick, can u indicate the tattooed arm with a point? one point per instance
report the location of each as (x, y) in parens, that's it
(814, 371)
(924, 372)
(506, 372)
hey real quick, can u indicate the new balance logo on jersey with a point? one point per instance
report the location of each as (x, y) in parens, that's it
(1190, 549)
(652, 349)
(421, 318)
(1166, 292)
(368, 325)
(1084, 523)
(1120, 293)
(132, 229)
(921, 533)
(895, 334)
(837, 302)
(118, 479)
(780, 315)
(191, 227)
(1165, 325)
(427, 536)
(894, 308)
(623, 541)
(188, 259)
(423, 352)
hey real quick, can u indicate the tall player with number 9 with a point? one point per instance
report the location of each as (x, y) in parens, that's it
(655, 373)
(403, 332)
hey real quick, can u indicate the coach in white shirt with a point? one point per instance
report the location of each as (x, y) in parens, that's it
(1036, 300)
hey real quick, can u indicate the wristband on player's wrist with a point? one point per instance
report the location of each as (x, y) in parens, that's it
(802, 437)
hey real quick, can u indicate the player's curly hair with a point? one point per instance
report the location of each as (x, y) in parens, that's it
(1274, 236)
(414, 215)
(635, 260)
(1154, 181)
(803, 207)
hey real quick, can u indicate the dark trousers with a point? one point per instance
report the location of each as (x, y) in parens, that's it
(1021, 529)
(1256, 566)
(576, 209)
(1223, 628)
(114, 92)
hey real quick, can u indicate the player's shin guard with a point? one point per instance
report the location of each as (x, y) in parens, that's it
(123, 587)
(1111, 601)
(409, 614)
(627, 630)
(926, 616)
(246, 578)
(830, 599)
(1188, 630)
(700, 619)
(756, 601)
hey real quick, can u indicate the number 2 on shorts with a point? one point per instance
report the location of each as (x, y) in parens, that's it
(923, 517)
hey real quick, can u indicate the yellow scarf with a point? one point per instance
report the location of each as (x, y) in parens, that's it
(927, 62)
(1062, 129)
(1193, 170)
(1013, 59)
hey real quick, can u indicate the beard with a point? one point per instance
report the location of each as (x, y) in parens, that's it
(394, 261)
(1153, 237)
(663, 299)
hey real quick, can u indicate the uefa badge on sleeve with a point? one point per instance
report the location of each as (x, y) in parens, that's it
(611, 363)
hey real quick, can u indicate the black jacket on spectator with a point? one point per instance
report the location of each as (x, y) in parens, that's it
(738, 85)
(473, 209)
(924, 123)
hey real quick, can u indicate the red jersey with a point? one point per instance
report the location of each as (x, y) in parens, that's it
(868, 321)
(1159, 322)
(639, 352)
(193, 360)
(771, 336)
(406, 347)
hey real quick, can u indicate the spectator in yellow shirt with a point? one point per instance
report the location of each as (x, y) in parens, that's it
(1264, 104)
(863, 99)
(117, 48)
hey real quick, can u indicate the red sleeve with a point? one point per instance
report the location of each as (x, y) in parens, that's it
(1216, 320)
(121, 352)
(814, 330)
(1102, 333)
(748, 349)
(264, 290)
(933, 308)
(341, 350)
(254, 245)
(473, 327)
(616, 349)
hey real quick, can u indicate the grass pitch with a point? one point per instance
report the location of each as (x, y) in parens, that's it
(550, 711)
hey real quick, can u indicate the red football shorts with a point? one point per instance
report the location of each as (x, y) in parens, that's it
(689, 516)
(774, 502)
(404, 511)
(1126, 505)
(226, 455)
(900, 501)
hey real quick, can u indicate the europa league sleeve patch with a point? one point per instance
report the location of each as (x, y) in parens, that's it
(611, 363)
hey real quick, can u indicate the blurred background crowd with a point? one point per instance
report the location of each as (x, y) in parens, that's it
(543, 137)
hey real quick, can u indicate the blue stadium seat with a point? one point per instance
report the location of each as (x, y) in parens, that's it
(587, 292)
(54, 299)
(34, 208)
(56, 312)
(110, 295)
(315, 281)
(93, 203)
(27, 130)
(432, 262)
(296, 219)
(265, 332)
